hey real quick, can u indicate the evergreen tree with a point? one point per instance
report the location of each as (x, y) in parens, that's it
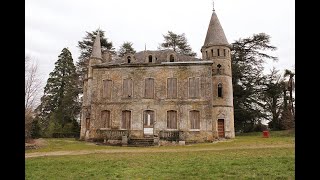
(272, 97)
(125, 48)
(85, 47)
(178, 43)
(60, 104)
(247, 77)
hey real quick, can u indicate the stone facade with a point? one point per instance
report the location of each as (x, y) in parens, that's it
(159, 93)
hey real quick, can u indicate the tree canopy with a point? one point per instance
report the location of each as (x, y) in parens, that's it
(125, 48)
(178, 43)
(248, 56)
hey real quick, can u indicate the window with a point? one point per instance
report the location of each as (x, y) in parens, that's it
(219, 70)
(172, 119)
(224, 52)
(129, 59)
(206, 54)
(87, 123)
(193, 87)
(126, 119)
(107, 88)
(127, 88)
(195, 119)
(219, 90)
(150, 58)
(171, 58)
(172, 88)
(149, 88)
(148, 118)
(218, 52)
(211, 52)
(105, 118)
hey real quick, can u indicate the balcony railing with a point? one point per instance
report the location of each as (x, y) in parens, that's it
(171, 135)
(113, 134)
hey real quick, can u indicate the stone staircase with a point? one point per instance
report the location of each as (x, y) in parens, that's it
(141, 142)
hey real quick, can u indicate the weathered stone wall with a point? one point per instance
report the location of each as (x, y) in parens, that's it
(160, 104)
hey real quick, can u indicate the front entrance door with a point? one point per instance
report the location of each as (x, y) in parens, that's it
(148, 121)
(221, 128)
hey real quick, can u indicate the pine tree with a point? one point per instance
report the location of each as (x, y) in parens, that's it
(60, 104)
(178, 43)
(125, 48)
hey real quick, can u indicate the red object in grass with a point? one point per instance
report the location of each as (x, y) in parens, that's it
(265, 134)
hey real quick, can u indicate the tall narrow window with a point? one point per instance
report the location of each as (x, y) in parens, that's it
(172, 119)
(211, 52)
(219, 70)
(219, 90)
(107, 88)
(149, 88)
(206, 54)
(126, 119)
(194, 119)
(148, 119)
(194, 87)
(171, 58)
(172, 88)
(129, 59)
(218, 52)
(105, 118)
(87, 123)
(127, 88)
(150, 58)
(224, 52)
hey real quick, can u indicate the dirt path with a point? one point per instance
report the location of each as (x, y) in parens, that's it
(144, 150)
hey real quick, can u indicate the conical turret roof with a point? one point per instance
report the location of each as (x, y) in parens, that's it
(96, 49)
(215, 34)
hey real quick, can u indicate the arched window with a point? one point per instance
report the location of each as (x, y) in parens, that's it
(172, 119)
(148, 119)
(206, 54)
(219, 90)
(171, 58)
(150, 58)
(129, 59)
(126, 119)
(211, 52)
(218, 52)
(194, 119)
(224, 52)
(105, 119)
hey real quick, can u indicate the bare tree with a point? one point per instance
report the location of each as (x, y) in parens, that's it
(32, 92)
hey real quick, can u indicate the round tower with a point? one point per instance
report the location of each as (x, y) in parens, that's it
(217, 49)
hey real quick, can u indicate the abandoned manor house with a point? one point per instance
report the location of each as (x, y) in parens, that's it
(160, 96)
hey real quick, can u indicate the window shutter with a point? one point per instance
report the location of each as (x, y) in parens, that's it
(149, 89)
(197, 84)
(107, 88)
(172, 88)
(127, 88)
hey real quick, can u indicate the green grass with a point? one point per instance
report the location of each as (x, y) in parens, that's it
(67, 144)
(229, 163)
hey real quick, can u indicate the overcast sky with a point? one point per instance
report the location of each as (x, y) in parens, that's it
(52, 25)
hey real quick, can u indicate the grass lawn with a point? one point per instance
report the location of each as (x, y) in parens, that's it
(234, 159)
